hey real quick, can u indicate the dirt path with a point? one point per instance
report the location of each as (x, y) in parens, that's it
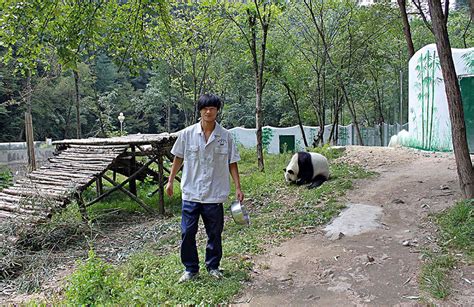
(377, 267)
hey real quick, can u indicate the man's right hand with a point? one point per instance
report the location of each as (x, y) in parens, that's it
(169, 188)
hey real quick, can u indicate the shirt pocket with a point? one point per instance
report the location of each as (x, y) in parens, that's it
(221, 153)
(192, 152)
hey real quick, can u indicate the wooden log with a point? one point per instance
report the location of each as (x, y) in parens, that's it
(87, 151)
(92, 160)
(7, 214)
(21, 201)
(33, 218)
(122, 147)
(89, 154)
(87, 168)
(161, 194)
(74, 162)
(41, 184)
(56, 178)
(63, 174)
(38, 195)
(36, 190)
(99, 186)
(133, 184)
(72, 174)
(82, 206)
(30, 141)
(84, 159)
(30, 207)
(18, 198)
(43, 212)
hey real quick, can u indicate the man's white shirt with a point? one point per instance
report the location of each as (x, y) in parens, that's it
(205, 176)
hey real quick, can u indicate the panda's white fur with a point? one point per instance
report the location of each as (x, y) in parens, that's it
(306, 167)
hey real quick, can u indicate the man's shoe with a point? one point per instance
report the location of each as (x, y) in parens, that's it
(187, 276)
(216, 273)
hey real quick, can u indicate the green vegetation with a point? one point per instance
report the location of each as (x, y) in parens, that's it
(94, 281)
(5, 178)
(278, 211)
(456, 227)
(434, 276)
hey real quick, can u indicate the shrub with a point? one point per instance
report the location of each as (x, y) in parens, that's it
(93, 282)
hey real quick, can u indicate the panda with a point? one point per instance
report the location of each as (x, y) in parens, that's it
(307, 167)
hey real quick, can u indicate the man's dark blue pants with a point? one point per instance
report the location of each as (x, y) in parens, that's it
(213, 218)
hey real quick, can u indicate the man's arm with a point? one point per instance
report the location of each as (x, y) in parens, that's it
(177, 162)
(234, 172)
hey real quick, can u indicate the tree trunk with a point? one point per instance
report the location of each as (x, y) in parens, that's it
(333, 135)
(406, 27)
(29, 136)
(258, 70)
(259, 124)
(453, 94)
(78, 106)
(294, 103)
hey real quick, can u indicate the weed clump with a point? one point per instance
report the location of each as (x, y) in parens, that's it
(93, 282)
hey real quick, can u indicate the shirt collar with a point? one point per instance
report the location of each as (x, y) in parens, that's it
(217, 129)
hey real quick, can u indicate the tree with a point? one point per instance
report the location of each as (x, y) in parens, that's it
(189, 47)
(259, 16)
(77, 28)
(465, 169)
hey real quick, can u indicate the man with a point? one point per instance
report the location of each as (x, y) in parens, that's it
(209, 156)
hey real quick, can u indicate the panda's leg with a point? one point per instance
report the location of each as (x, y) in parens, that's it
(317, 181)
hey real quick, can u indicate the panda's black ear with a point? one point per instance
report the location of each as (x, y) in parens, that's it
(284, 169)
(290, 171)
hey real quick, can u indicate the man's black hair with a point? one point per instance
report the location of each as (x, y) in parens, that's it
(209, 100)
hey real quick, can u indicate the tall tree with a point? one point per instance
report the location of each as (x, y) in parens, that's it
(465, 170)
(260, 15)
(77, 28)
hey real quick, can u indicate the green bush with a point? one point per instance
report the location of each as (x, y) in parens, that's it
(5, 178)
(94, 281)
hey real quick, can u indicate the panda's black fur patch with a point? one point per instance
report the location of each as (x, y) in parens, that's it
(305, 165)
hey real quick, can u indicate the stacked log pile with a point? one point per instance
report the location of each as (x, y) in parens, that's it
(42, 192)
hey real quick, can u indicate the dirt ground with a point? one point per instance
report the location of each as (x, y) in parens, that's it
(380, 266)
(377, 267)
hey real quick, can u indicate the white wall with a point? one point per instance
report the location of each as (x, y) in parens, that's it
(428, 118)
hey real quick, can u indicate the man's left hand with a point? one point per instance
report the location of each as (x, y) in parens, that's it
(239, 195)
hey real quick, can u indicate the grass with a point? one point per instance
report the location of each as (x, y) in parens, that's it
(456, 228)
(278, 211)
(5, 178)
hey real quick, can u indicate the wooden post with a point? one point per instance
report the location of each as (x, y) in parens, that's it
(133, 166)
(82, 206)
(30, 145)
(161, 194)
(98, 186)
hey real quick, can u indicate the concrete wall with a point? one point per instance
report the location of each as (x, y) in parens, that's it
(14, 156)
(347, 136)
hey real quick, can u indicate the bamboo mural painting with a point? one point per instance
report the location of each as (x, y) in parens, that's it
(428, 66)
(429, 122)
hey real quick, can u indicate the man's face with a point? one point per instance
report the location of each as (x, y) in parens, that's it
(209, 114)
